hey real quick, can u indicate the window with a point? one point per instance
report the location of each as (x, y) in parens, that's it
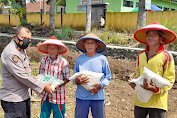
(137, 4)
(173, 9)
(166, 9)
(128, 3)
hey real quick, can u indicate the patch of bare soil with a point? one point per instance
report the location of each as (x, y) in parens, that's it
(119, 95)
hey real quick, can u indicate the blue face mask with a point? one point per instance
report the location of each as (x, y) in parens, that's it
(23, 44)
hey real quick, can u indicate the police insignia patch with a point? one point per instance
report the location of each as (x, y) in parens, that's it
(15, 59)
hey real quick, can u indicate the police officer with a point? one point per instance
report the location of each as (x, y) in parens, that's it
(17, 77)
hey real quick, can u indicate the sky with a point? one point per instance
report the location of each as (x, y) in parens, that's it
(29, 1)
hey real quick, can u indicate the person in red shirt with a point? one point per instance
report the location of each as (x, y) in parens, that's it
(55, 66)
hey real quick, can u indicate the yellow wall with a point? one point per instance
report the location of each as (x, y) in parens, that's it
(121, 21)
(116, 20)
(163, 17)
(14, 20)
(4, 19)
(75, 20)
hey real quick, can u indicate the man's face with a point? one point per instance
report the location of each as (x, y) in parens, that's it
(23, 34)
(153, 38)
(52, 50)
(90, 45)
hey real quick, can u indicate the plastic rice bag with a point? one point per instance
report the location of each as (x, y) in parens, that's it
(50, 79)
(93, 77)
(142, 94)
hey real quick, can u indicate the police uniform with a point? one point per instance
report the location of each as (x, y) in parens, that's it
(16, 81)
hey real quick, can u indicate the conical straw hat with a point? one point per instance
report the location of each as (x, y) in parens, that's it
(168, 36)
(54, 41)
(101, 45)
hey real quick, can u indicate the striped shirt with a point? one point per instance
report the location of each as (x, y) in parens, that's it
(59, 69)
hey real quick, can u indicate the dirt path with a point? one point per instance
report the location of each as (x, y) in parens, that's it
(119, 95)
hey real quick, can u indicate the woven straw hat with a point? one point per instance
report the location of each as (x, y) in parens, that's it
(168, 36)
(101, 45)
(54, 41)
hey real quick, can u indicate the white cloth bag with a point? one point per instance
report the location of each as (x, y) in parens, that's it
(93, 77)
(142, 94)
(50, 79)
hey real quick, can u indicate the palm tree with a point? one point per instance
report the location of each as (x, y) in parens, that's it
(88, 17)
(52, 14)
(22, 10)
(142, 14)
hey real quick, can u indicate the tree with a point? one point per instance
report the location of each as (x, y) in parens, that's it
(19, 7)
(22, 9)
(88, 17)
(52, 14)
(142, 14)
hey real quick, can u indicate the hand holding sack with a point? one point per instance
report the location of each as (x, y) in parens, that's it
(142, 94)
(93, 77)
(50, 79)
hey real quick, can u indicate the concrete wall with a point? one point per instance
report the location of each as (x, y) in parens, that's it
(115, 20)
(116, 52)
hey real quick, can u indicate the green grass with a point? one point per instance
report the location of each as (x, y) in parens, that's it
(35, 67)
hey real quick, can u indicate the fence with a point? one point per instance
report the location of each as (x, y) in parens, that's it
(115, 20)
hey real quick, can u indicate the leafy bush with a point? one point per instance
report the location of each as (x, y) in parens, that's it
(7, 29)
(65, 33)
(23, 22)
(173, 27)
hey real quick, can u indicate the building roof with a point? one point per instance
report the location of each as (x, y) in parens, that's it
(35, 7)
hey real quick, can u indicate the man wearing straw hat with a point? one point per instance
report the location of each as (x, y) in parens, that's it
(91, 45)
(17, 77)
(58, 67)
(158, 60)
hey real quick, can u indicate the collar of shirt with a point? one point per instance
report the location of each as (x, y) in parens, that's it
(56, 61)
(17, 47)
(160, 49)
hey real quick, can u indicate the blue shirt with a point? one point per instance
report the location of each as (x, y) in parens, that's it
(99, 64)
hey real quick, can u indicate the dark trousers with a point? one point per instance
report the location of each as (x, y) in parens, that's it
(140, 112)
(16, 109)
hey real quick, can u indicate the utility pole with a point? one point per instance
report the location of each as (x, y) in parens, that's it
(142, 14)
(44, 7)
(88, 16)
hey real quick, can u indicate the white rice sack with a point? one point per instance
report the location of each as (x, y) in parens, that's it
(158, 80)
(93, 77)
(50, 79)
(142, 94)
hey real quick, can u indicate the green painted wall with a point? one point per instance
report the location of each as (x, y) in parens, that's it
(71, 6)
(164, 4)
(128, 9)
(116, 5)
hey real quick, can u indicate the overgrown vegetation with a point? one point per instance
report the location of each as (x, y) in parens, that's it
(173, 27)
(65, 33)
(120, 38)
(35, 68)
(7, 29)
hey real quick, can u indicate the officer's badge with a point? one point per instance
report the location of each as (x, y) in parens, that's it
(15, 59)
(18, 48)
